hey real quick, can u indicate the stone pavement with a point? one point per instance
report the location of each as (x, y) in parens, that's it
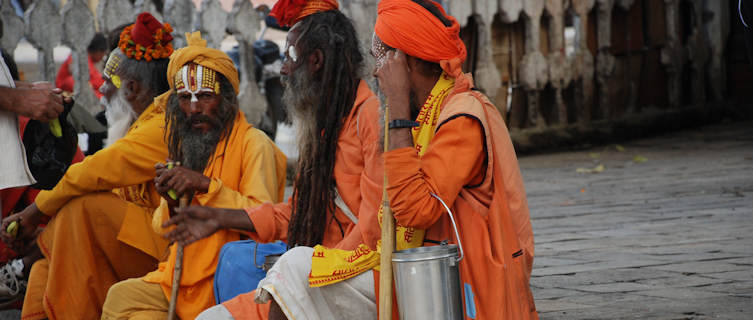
(665, 231)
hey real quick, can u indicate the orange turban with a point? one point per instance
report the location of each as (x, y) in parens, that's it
(406, 25)
(197, 52)
(288, 12)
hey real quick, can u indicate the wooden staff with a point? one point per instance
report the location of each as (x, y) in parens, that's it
(388, 238)
(177, 270)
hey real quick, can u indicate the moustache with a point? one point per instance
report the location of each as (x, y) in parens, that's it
(196, 118)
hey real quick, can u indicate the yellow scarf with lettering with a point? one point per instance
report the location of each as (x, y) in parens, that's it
(330, 265)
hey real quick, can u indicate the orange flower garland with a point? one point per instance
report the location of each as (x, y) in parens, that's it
(155, 51)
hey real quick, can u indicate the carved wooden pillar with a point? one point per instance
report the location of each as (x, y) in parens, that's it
(148, 6)
(13, 27)
(559, 70)
(243, 24)
(363, 14)
(533, 72)
(212, 21)
(42, 28)
(78, 30)
(671, 54)
(113, 13)
(179, 13)
(583, 62)
(697, 50)
(487, 76)
(605, 61)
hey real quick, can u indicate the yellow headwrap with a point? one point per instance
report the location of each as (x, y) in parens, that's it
(197, 52)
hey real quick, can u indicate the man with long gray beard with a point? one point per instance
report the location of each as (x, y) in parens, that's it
(224, 162)
(334, 204)
(101, 210)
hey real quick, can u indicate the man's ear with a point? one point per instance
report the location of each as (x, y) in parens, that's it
(132, 89)
(316, 61)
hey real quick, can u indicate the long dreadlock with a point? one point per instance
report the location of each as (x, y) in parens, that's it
(333, 34)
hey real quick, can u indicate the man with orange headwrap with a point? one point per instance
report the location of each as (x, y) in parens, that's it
(101, 209)
(447, 140)
(225, 162)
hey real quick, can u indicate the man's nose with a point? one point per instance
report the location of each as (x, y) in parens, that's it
(195, 108)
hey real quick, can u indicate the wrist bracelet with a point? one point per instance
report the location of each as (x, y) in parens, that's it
(402, 123)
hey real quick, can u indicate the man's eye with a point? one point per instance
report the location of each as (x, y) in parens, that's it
(205, 96)
(184, 97)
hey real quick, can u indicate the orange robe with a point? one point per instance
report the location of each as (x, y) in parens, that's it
(471, 165)
(358, 176)
(247, 169)
(101, 228)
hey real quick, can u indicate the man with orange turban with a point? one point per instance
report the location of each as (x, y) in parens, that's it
(101, 209)
(225, 162)
(447, 141)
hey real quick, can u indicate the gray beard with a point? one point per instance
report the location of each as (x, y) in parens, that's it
(197, 147)
(120, 116)
(301, 98)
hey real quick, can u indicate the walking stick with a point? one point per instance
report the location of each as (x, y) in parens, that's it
(178, 268)
(388, 239)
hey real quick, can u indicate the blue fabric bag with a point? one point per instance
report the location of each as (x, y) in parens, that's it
(237, 272)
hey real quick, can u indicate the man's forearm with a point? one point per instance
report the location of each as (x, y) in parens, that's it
(9, 99)
(235, 219)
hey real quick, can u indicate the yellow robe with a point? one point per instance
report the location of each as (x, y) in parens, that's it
(247, 169)
(101, 228)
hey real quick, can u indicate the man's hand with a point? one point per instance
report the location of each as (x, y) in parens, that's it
(394, 81)
(27, 220)
(193, 223)
(181, 179)
(38, 101)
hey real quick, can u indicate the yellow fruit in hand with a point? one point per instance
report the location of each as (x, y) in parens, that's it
(55, 128)
(171, 192)
(12, 229)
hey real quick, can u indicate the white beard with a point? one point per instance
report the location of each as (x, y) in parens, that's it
(120, 116)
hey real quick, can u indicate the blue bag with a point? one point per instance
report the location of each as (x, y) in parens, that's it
(237, 272)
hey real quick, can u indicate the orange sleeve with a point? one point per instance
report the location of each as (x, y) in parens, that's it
(270, 221)
(367, 230)
(454, 159)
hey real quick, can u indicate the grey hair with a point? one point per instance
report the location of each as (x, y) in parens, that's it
(152, 75)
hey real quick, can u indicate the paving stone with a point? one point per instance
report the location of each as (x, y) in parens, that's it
(546, 305)
(743, 275)
(680, 280)
(680, 293)
(674, 226)
(702, 267)
(614, 287)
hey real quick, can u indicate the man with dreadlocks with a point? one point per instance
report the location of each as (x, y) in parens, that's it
(334, 205)
(449, 143)
(101, 209)
(225, 162)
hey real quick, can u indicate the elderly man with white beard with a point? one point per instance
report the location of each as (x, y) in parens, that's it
(102, 208)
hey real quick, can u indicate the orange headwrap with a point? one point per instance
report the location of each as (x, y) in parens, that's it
(288, 12)
(197, 52)
(406, 25)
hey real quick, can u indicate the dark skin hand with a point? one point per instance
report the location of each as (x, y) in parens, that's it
(198, 222)
(181, 179)
(28, 220)
(394, 81)
(38, 101)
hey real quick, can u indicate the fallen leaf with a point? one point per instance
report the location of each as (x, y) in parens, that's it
(619, 148)
(594, 155)
(596, 169)
(639, 159)
(583, 190)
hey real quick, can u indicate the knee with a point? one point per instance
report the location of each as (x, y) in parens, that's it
(116, 297)
(297, 255)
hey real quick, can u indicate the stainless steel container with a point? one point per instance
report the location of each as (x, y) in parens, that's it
(427, 280)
